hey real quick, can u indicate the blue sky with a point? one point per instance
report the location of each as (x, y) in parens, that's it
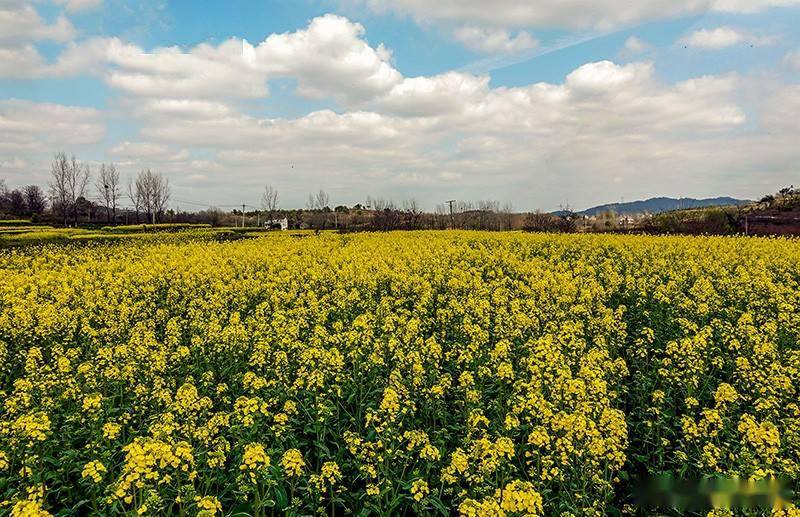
(539, 104)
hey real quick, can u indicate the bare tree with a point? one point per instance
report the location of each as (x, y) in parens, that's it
(318, 201)
(150, 192)
(3, 195)
(133, 195)
(507, 216)
(68, 180)
(318, 204)
(269, 201)
(160, 192)
(59, 190)
(109, 189)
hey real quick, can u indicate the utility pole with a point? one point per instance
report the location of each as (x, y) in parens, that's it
(243, 205)
(452, 221)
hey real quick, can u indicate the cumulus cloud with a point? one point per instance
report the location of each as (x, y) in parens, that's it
(330, 58)
(577, 14)
(548, 13)
(26, 125)
(21, 23)
(443, 94)
(603, 121)
(724, 37)
(494, 41)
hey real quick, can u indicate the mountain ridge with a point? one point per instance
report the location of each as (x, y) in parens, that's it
(655, 205)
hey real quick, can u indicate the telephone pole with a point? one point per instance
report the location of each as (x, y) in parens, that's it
(452, 221)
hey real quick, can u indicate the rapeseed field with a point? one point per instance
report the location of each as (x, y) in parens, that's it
(386, 374)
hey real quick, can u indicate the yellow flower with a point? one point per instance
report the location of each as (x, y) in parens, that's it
(92, 402)
(208, 506)
(254, 460)
(331, 472)
(419, 489)
(292, 463)
(28, 508)
(93, 470)
(111, 430)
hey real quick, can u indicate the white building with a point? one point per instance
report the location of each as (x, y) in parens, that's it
(277, 224)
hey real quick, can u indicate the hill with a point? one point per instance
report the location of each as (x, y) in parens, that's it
(658, 205)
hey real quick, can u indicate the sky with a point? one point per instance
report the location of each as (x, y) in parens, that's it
(538, 103)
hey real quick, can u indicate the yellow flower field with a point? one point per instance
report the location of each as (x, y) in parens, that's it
(382, 374)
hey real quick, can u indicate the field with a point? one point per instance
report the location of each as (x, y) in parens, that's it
(389, 374)
(23, 233)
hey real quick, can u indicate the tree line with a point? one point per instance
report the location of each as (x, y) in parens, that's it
(71, 185)
(75, 195)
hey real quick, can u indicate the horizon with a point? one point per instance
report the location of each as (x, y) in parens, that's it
(540, 106)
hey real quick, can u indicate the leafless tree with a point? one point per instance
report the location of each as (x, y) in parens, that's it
(160, 193)
(59, 191)
(269, 201)
(109, 189)
(68, 180)
(318, 201)
(133, 195)
(3, 195)
(318, 205)
(507, 216)
(150, 192)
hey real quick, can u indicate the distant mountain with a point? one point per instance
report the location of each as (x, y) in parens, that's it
(661, 204)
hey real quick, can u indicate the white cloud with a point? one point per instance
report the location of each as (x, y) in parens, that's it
(21, 23)
(23, 62)
(329, 59)
(724, 37)
(13, 163)
(601, 14)
(432, 96)
(792, 60)
(75, 6)
(572, 14)
(138, 151)
(635, 46)
(751, 6)
(494, 41)
(26, 125)
(720, 37)
(603, 121)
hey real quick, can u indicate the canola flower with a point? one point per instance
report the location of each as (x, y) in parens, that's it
(426, 373)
